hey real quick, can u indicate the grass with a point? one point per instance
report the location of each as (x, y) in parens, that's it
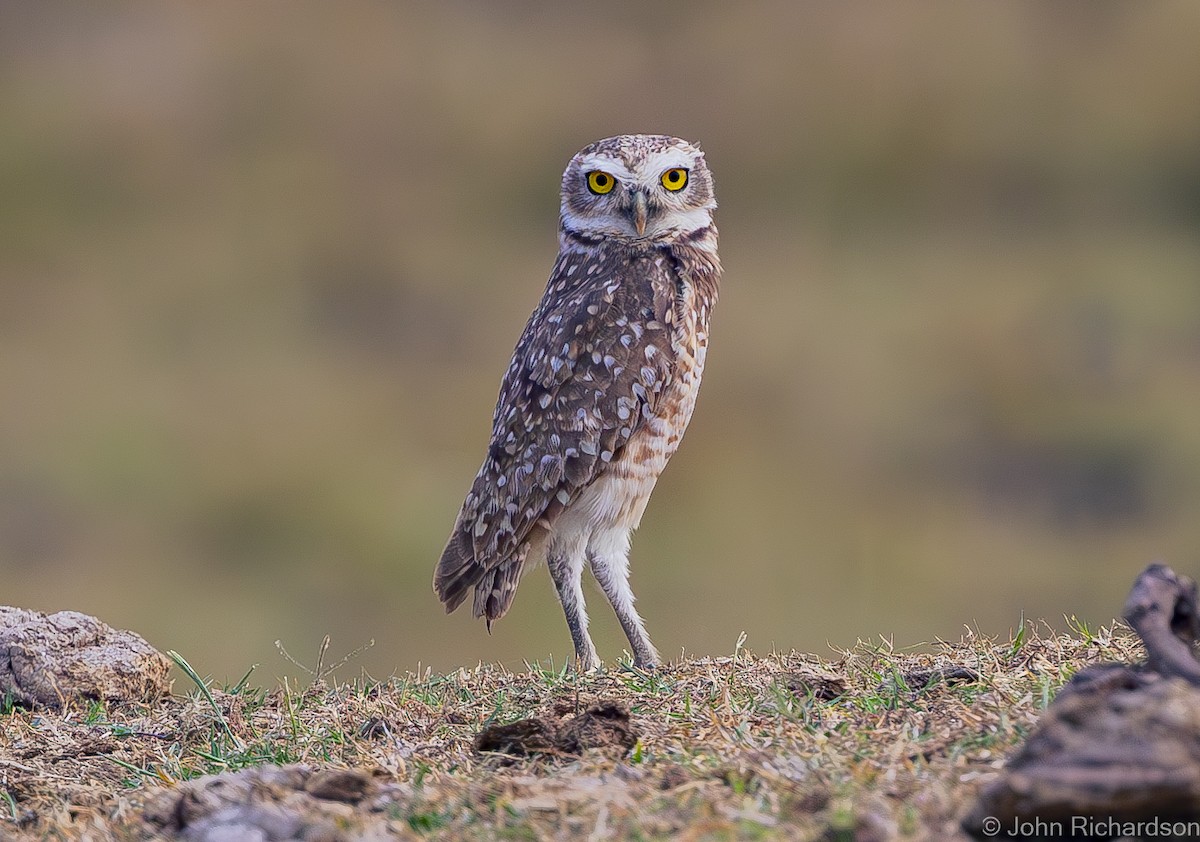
(740, 747)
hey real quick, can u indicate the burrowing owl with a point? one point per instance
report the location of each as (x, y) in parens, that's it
(600, 388)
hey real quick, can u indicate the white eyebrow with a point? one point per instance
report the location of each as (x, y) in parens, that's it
(658, 162)
(603, 162)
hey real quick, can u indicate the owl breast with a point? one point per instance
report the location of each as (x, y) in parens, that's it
(618, 498)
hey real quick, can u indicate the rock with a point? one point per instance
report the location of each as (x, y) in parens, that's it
(10, 616)
(52, 659)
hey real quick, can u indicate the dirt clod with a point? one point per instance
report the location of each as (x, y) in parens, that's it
(950, 676)
(521, 738)
(375, 728)
(348, 785)
(49, 660)
(271, 803)
(822, 687)
(604, 725)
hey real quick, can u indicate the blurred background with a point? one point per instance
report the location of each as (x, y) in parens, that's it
(262, 267)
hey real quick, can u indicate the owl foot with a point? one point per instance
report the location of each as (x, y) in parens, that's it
(587, 662)
(647, 661)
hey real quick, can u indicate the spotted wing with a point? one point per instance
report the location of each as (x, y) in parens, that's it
(586, 374)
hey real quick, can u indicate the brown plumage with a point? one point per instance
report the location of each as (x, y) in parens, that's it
(600, 388)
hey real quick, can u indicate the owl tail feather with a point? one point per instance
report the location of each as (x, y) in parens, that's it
(494, 593)
(458, 571)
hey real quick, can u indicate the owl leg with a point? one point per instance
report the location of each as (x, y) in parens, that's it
(609, 560)
(565, 561)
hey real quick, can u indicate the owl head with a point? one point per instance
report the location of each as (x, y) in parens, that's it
(637, 187)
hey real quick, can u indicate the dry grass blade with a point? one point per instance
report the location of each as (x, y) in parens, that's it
(182, 663)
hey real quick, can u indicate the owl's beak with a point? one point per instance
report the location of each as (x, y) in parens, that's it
(639, 212)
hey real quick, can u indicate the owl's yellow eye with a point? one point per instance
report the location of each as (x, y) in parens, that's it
(675, 179)
(600, 182)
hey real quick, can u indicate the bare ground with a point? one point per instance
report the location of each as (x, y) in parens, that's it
(871, 744)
